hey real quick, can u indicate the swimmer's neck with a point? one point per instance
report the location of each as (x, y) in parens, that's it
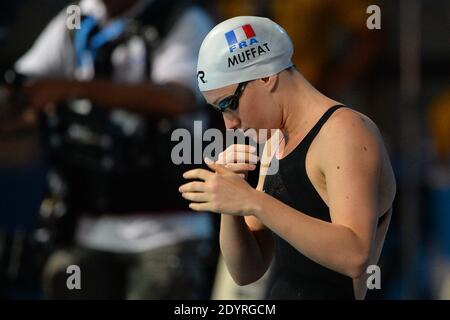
(302, 105)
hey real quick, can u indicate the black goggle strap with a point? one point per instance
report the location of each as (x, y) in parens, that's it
(231, 101)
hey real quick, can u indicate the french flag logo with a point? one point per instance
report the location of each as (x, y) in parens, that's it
(240, 34)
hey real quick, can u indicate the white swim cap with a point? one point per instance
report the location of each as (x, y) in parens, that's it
(242, 49)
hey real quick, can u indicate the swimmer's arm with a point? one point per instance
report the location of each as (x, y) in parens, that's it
(247, 248)
(246, 244)
(344, 244)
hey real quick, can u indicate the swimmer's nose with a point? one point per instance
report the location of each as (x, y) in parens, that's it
(231, 121)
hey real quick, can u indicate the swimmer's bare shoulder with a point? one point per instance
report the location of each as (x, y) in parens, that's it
(353, 138)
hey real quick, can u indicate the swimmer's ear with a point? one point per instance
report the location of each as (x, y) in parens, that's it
(270, 82)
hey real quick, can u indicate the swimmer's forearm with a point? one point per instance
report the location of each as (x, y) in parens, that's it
(240, 250)
(336, 247)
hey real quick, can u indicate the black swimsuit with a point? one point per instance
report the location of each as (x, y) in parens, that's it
(294, 276)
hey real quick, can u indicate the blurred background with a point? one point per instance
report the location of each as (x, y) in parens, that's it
(398, 75)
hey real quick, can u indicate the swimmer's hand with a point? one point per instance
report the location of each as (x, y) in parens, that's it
(220, 190)
(239, 158)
